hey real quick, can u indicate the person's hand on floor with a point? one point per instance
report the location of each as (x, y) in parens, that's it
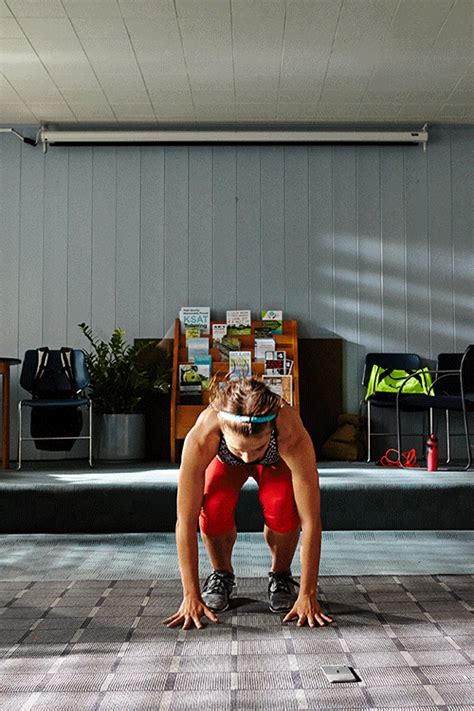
(190, 612)
(307, 609)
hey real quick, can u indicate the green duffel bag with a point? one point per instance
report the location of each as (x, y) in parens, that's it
(389, 380)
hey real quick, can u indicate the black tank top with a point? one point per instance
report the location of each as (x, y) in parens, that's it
(271, 456)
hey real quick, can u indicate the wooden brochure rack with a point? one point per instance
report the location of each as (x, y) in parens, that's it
(183, 416)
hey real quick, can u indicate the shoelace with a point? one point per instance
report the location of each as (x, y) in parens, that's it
(281, 583)
(391, 459)
(216, 582)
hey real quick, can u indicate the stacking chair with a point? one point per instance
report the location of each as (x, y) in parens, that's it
(453, 392)
(449, 385)
(399, 361)
(75, 398)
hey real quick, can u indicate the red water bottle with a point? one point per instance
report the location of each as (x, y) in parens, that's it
(432, 453)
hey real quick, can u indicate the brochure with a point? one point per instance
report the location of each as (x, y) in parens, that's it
(197, 316)
(281, 385)
(262, 345)
(273, 319)
(239, 323)
(240, 364)
(197, 346)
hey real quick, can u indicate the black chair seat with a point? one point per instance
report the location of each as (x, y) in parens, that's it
(439, 402)
(73, 402)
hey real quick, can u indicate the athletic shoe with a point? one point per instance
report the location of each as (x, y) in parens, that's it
(217, 590)
(281, 591)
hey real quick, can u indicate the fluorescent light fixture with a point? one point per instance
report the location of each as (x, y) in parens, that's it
(51, 137)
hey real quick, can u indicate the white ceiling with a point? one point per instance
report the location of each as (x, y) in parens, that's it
(236, 61)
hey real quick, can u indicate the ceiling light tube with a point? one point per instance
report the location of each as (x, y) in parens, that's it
(224, 136)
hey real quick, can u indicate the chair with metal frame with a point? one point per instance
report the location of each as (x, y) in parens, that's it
(396, 361)
(449, 386)
(453, 390)
(79, 399)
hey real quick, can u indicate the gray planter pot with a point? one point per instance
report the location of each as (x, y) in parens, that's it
(119, 437)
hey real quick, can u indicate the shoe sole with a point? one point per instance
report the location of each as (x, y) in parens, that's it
(279, 612)
(213, 609)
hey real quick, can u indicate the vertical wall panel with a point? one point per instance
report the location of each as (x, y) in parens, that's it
(128, 240)
(200, 226)
(176, 232)
(417, 236)
(79, 241)
(248, 229)
(345, 231)
(104, 227)
(321, 238)
(31, 250)
(152, 218)
(272, 168)
(296, 235)
(441, 254)
(224, 247)
(369, 250)
(462, 167)
(10, 195)
(55, 282)
(393, 250)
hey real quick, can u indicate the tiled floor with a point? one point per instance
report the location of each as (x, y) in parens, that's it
(153, 555)
(101, 645)
(81, 627)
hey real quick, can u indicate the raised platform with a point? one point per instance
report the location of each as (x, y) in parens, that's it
(50, 498)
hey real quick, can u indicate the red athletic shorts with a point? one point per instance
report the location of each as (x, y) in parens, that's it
(221, 493)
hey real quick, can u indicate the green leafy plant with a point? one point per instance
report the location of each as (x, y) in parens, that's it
(124, 377)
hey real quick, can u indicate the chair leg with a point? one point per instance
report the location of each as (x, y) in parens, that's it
(369, 430)
(448, 438)
(90, 433)
(399, 433)
(468, 441)
(18, 466)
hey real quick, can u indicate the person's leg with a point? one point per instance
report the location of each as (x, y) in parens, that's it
(282, 530)
(282, 547)
(217, 524)
(221, 492)
(219, 549)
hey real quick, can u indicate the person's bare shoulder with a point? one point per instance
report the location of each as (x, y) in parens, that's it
(290, 427)
(206, 428)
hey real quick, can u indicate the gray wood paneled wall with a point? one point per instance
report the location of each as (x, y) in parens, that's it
(371, 244)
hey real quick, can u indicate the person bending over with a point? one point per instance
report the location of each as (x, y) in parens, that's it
(246, 431)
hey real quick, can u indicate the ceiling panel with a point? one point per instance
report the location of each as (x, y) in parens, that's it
(257, 29)
(36, 8)
(10, 29)
(237, 60)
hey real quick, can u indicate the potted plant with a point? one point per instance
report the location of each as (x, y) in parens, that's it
(123, 380)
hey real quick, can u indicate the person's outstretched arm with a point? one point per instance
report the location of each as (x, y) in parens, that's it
(296, 449)
(200, 447)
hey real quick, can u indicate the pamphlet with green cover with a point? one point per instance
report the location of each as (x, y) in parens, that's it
(273, 319)
(239, 322)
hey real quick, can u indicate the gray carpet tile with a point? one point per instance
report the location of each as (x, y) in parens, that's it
(13, 702)
(402, 696)
(256, 701)
(124, 659)
(84, 701)
(131, 701)
(138, 557)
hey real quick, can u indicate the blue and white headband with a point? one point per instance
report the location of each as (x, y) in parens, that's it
(246, 418)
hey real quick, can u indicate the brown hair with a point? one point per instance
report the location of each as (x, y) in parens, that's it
(246, 396)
